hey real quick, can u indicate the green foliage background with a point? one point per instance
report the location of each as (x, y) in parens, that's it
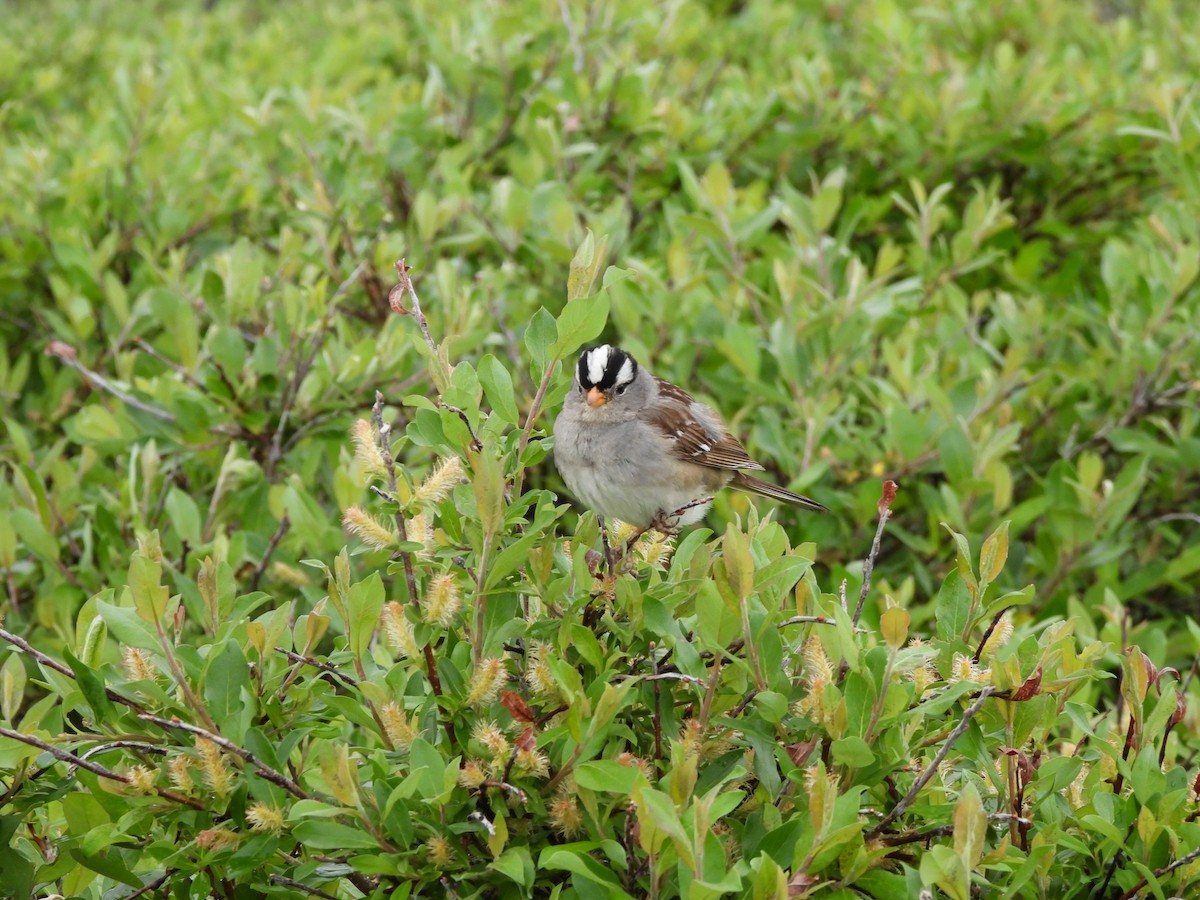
(952, 243)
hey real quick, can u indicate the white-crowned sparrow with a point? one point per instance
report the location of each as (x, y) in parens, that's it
(636, 448)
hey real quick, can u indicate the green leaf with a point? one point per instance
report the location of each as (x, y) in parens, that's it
(516, 864)
(655, 810)
(12, 686)
(34, 534)
(224, 678)
(1012, 598)
(184, 516)
(970, 827)
(498, 388)
(853, 751)
(364, 603)
(952, 607)
(539, 337)
(109, 864)
(92, 687)
(994, 554)
(580, 863)
(585, 265)
(607, 776)
(428, 763)
(739, 564)
(321, 835)
(964, 560)
(145, 583)
(580, 322)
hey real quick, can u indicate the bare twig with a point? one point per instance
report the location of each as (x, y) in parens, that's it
(657, 710)
(21, 644)
(95, 768)
(505, 786)
(1159, 873)
(148, 348)
(475, 443)
(66, 354)
(535, 409)
(410, 575)
(151, 886)
(301, 659)
(987, 635)
(572, 36)
(801, 620)
(284, 881)
(920, 835)
(292, 390)
(923, 779)
(271, 775)
(404, 285)
(884, 508)
(284, 524)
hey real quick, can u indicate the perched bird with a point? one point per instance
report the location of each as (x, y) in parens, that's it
(636, 448)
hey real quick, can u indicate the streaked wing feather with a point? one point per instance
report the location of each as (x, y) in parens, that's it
(692, 440)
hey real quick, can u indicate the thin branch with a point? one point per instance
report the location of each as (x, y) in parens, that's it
(284, 881)
(292, 390)
(535, 409)
(301, 659)
(404, 285)
(920, 835)
(505, 786)
(276, 778)
(1159, 873)
(987, 635)
(148, 348)
(475, 443)
(572, 36)
(66, 354)
(284, 524)
(923, 779)
(21, 644)
(813, 620)
(885, 512)
(410, 575)
(151, 886)
(78, 762)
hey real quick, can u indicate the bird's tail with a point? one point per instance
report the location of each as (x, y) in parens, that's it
(765, 489)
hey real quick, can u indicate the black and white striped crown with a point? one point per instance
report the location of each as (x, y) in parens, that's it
(606, 367)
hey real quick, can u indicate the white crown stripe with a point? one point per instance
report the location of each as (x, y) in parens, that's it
(597, 363)
(625, 374)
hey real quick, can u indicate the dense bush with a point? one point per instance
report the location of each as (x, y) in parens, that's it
(266, 629)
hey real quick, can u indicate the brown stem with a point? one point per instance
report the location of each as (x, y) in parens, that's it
(271, 775)
(284, 524)
(23, 645)
(410, 575)
(95, 768)
(923, 779)
(535, 409)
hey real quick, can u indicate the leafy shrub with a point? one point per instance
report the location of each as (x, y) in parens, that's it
(951, 246)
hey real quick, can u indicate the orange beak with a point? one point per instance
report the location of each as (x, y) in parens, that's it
(596, 398)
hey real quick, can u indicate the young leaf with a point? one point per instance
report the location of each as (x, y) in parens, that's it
(579, 323)
(586, 264)
(994, 554)
(952, 607)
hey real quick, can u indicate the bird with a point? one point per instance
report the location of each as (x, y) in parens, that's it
(634, 447)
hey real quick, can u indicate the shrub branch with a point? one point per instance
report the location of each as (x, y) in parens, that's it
(271, 775)
(923, 779)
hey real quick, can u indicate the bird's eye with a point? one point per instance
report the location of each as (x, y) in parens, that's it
(621, 388)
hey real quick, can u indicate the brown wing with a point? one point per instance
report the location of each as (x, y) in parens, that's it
(694, 440)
